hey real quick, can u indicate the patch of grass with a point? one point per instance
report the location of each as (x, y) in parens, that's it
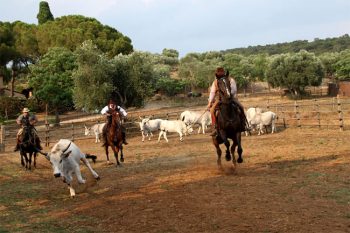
(341, 196)
(315, 175)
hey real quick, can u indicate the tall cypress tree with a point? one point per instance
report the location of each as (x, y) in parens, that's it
(44, 14)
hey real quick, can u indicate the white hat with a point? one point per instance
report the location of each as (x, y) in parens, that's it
(25, 110)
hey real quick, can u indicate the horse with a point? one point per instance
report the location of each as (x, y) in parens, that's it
(229, 125)
(113, 138)
(28, 146)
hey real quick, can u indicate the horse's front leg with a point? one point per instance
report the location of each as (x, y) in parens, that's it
(233, 148)
(218, 152)
(227, 144)
(35, 154)
(106, 148)
(116, 151)
(30, 154)
(121, 154)
(240, 149)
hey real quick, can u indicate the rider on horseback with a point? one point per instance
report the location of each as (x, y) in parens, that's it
(108, 110)
(27, 120)
(214, 99)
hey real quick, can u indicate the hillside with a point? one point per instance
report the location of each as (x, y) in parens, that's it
(317, 46)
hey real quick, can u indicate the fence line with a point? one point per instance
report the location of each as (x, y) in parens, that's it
(317, 113)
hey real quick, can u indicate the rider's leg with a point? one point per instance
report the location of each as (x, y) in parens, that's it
(37, 139)
(241, 115)
(19, 133)
(124, 135)
(213, 118)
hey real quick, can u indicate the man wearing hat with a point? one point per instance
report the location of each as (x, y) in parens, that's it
(214, 100)
(27, 119)
(107, 110)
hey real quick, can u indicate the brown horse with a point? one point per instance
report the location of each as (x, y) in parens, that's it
(228, 123)
(112, 135)
(28, 147)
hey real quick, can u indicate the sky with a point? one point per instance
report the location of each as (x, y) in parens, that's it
(200, 25)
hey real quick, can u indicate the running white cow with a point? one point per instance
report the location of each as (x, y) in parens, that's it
(96, 129)
(147, 126)
(265, 119)
(203, 119)
(174, 127)
(65, 159)
(250, 115)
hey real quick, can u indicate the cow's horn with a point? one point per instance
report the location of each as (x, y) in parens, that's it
(67, 147)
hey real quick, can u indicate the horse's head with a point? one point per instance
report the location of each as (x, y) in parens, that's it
(27, 136)
(116, 117)
(224, 89)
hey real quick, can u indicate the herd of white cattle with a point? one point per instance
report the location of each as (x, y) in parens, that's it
(257, 120)
(256, 117)
(65, 155)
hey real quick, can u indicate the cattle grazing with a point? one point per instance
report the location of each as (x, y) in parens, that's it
(265, 119)
(250, 114)
(96, 129)
(147, 126)
(174, 127)
(202, 119)
(65, 158)
(112, 136)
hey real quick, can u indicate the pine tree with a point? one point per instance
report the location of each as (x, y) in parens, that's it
(44, 14)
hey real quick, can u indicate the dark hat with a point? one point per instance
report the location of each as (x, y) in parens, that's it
(220, 72)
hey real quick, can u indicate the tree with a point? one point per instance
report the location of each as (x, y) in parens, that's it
(44, 14)
(329, 61)
(92, 79)
(295, 71)
(342, 66)
(52, 80)
(71, 31)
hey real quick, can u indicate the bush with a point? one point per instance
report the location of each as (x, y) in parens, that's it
(11, 107)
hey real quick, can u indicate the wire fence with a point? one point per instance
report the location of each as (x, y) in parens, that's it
(328, 113)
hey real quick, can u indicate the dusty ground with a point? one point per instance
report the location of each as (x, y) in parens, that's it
(292, 181)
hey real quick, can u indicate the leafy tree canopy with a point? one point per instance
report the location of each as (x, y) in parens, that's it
(71, 31)
(52, 80)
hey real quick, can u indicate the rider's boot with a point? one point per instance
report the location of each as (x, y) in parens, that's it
(124, 138)
(17, 145)
(37, 141)
(213, 126)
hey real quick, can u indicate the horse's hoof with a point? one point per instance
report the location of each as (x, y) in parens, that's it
(239, 160)
(98, 178)
(122, 160)
(228, 157)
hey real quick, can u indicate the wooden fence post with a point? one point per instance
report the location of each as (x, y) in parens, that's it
(333, 103)
(2, 138)
(283, 117)
(340, 113)
(268, 104)
(47, 135)
(297, 114)
(72, 127)
(318, 115)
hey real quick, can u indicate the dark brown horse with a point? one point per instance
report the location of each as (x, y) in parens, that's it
(112, 135)
(28, 147)
(228, 123)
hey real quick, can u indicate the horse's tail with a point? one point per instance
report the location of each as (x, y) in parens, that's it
(93, 157)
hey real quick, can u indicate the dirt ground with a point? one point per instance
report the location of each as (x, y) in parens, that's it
(297, 180)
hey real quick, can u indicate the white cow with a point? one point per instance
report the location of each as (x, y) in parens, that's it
(265, 119)
(65, 157)
(147, 126)
(96, 129)
(174, 127)
(197, 118)
(250, 115)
